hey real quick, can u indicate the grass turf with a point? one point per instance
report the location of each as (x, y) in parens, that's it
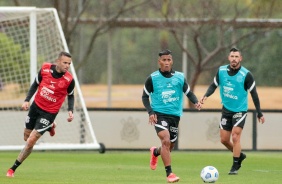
(121, 167)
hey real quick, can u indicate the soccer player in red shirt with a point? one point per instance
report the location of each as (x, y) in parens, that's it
(53, 84)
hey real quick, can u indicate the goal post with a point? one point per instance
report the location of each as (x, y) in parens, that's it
(30, 36)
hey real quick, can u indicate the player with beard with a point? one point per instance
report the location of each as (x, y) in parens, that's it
(234, 81)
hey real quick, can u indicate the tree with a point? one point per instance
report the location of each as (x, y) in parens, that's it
(12, 58)
(71, 12)
(208, 44)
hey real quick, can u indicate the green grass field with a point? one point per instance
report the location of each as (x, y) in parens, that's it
(122, 167)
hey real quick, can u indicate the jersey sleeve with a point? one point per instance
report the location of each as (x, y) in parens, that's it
(33, 87)
(148, 88)
(251, 86)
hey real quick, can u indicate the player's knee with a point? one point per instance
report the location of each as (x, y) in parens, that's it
(30, 142)
(32, 139)
(235, 138)
(166, 143)
(224, 141)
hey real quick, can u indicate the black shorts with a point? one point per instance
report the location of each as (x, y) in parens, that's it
(38, 119)
(169, 123)
(232, 119)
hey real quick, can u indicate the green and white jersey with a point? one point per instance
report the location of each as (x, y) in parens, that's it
(167, 97)
(233, 94)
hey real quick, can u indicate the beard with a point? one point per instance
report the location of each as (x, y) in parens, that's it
(234, 64)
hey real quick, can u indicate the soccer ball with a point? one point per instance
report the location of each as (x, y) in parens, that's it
(209, 174)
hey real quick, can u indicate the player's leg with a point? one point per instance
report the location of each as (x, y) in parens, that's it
(30, 122)
(26, 133)
(225, 139)
(155, 152)
(166, 156)
(41, 125)
(225, 130)
(165, 147)
(236, 138)
(30, 142)
(238, 122)
(173, 134)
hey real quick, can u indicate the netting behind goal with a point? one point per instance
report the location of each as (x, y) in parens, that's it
(29, 37)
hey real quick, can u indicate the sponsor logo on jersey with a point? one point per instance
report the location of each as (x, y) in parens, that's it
(227, 89)
(48, 90)
(45, 93)
(167, 96)
(230, 96)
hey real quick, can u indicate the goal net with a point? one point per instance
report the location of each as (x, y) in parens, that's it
(30, 36)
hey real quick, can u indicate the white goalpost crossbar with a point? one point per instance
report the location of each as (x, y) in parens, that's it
(45, 40)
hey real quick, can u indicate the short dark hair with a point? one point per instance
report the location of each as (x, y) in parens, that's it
(234, 49)
(164, 52)
(63, 53)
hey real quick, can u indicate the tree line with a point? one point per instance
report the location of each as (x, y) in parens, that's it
(134, 50)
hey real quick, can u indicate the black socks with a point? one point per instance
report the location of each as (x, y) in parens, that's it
(156, 152)
(16, 165)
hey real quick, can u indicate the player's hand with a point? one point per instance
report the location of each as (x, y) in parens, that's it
(153, 119)
(70, 118)
(261, 120)
(198, 105)
(203, 99)
(25, 106)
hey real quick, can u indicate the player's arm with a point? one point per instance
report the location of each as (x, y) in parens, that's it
(148, 88)
(32, 90)
(70, 91)
(211, 88)
(251, 86)
(190, 95)
(33, 87)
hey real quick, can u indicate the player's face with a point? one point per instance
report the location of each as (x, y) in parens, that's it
(235, 59)
(63, 64)
(165, 62)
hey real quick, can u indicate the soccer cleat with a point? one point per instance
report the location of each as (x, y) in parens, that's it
(233, 170)
(172, 178)
(241, 158)
(52, 130)
(154, 159)
(10, 173)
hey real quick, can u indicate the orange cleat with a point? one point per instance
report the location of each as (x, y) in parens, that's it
(10, 173)
(154, 159)
(172, 178)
